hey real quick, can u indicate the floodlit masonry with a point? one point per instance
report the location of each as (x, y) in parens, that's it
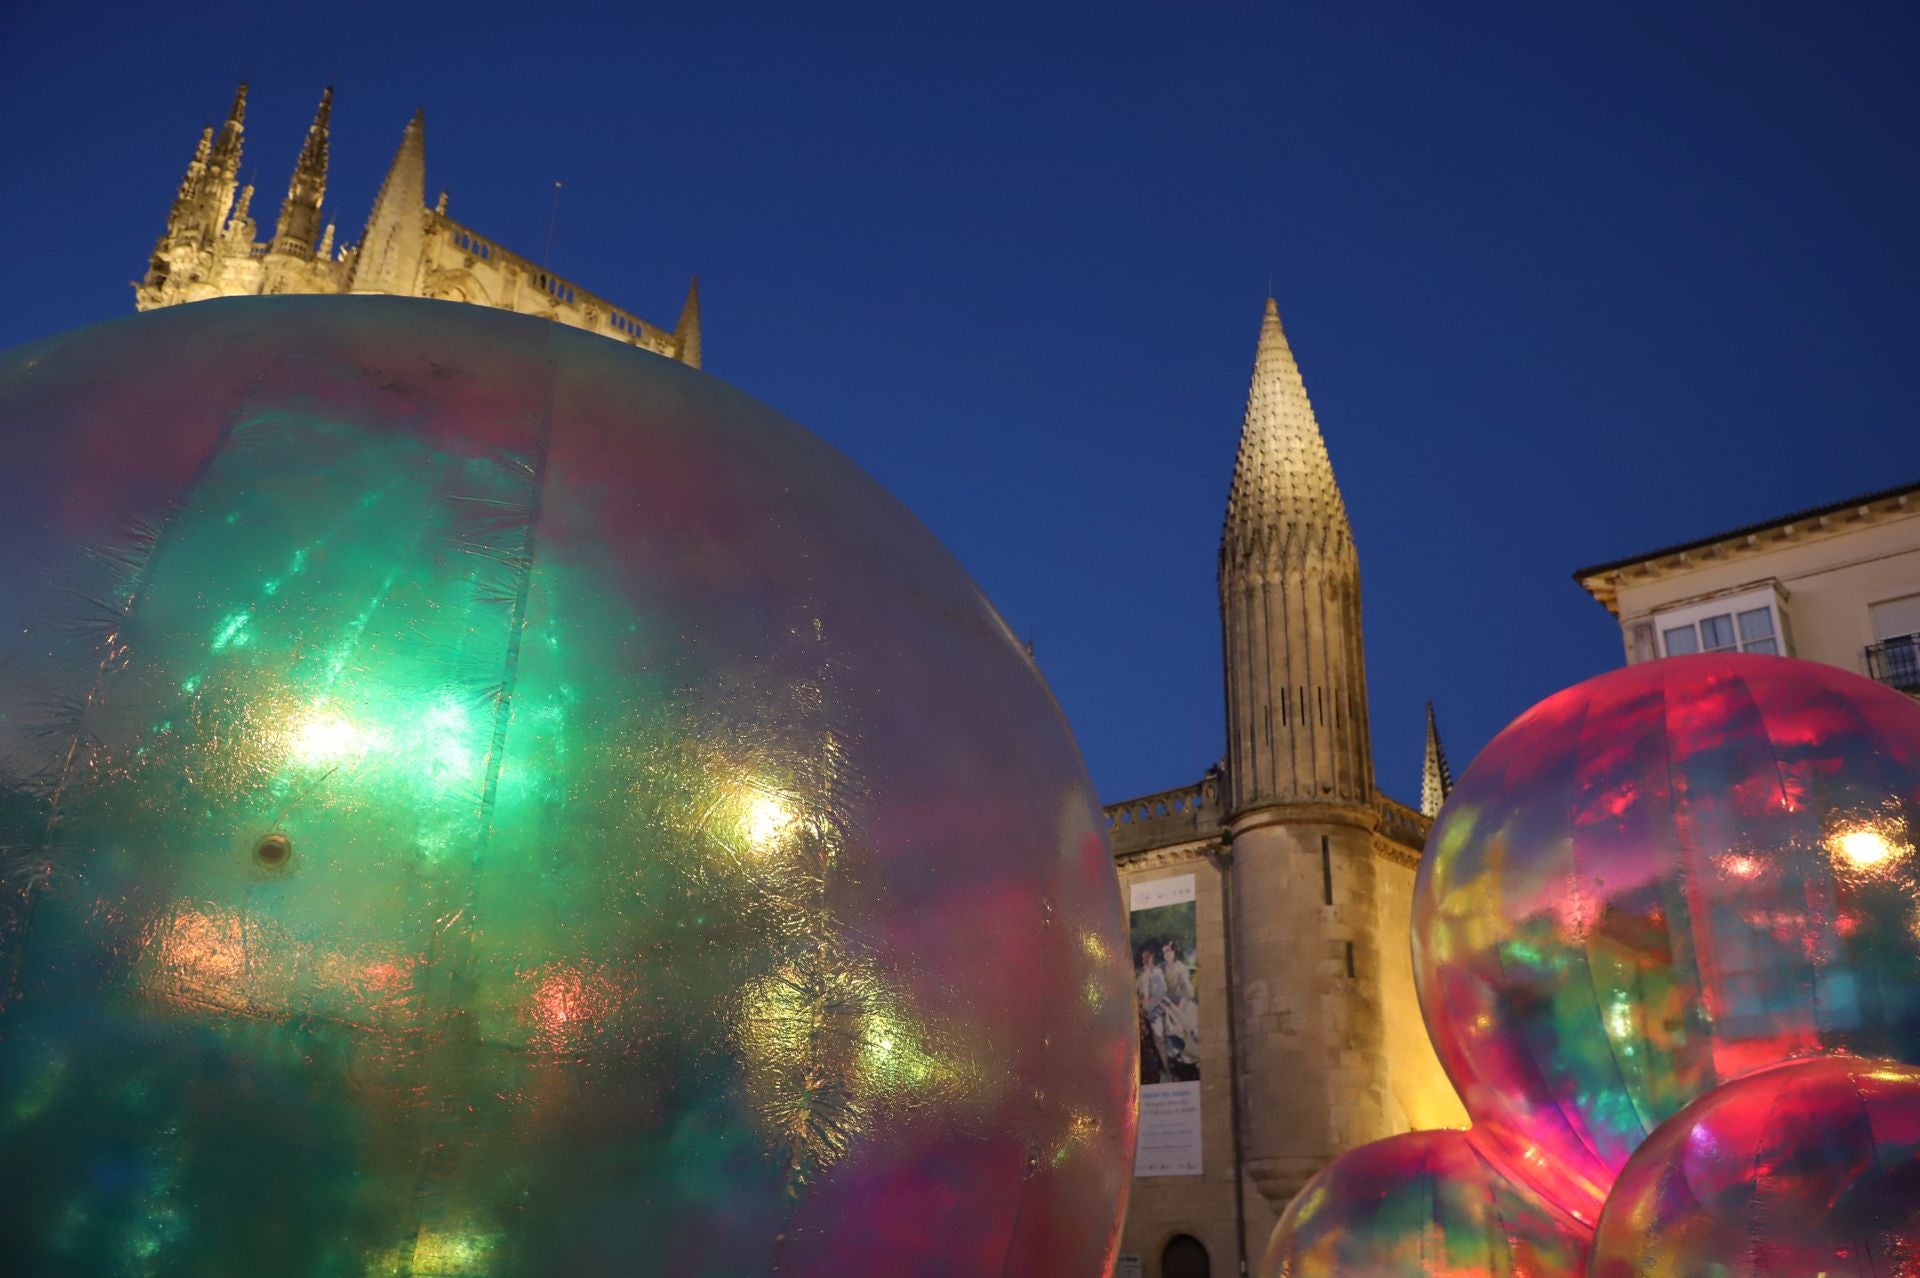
(1296, 875)
(210, 247)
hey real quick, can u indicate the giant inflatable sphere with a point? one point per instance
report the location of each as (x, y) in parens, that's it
(1415, 1205)
(480, 799)
(1812, 1167)
(1658, 880)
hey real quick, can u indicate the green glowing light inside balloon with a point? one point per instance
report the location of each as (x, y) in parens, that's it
(232, 631)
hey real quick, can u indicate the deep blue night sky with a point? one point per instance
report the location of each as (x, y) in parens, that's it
(1566, 282)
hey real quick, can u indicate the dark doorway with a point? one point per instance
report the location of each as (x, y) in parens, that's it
(1185, 1257)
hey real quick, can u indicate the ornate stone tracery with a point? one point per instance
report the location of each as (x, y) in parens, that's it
(210, 247)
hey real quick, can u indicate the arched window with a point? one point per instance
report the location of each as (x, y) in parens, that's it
(1185, 1257)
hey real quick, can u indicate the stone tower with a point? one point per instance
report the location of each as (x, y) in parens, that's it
(298, 231)
(1301, 806)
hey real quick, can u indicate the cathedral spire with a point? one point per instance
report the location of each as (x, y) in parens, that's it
(1283, 485)
(391, 249)
(300, 213)
(191, 184)
(1436, 778)
(226, 151)
(206, 192)
(1290, 604)
(686, 333)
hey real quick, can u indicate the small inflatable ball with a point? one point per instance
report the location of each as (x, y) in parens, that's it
(1658, 880)
(1812, 1167)
(1418, 1204)
(480, 799)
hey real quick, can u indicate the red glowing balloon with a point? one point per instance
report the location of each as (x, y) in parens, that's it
(1658, 880)
(1812, 1167)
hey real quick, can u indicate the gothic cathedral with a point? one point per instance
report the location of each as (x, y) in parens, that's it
(210, 250)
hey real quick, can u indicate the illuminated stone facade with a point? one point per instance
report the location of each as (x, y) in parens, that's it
(1303, 868)
(211, 246)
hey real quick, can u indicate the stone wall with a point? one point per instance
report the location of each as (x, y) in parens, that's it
(1327, 1059)
(460, 265)
(1313, 1061)
(1202, 1206)
(1419, 1097)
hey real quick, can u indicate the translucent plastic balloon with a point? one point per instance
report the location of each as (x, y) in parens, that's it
(1415, 1205)
(1658, 880)
(477, 798)
(1807, 1168)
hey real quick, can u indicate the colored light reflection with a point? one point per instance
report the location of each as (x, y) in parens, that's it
(637, 903)
(1419, 1204)
(763, 818)
(1810, 1167)
(326, 738)
(1661, 879)
(1868, 849)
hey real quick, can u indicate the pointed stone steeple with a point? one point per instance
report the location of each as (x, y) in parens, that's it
(239, 228)
(391, 249)
(1301, 814)
(198, 217)
(1283, 485)
(686, 333)
(206, 193)
(299, 224)
(192, 186)
(1436, 778)
(1290, 604)
(223, 165)
(226, 151)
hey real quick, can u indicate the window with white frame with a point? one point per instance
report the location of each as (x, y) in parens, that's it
(1749, 622)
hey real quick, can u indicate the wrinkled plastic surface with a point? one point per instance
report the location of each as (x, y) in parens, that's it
(477, 798)
(1416, 1205)
(1807, 1168)
(1660, 879)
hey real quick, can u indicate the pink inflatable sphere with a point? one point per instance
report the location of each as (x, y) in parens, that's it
(1658, 880)
(477, 798)
(1419, 1204)
(1811, 1167)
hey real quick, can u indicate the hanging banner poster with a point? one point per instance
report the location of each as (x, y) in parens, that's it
(1165, 949)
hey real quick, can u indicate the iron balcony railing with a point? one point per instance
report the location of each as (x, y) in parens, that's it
(1896, 662)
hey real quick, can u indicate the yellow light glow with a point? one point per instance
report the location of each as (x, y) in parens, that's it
(326, 738)
(766, 817)
(761, 817)
(436, 1253)
(450, 1253)
(831, 1049)
(1864, 849)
